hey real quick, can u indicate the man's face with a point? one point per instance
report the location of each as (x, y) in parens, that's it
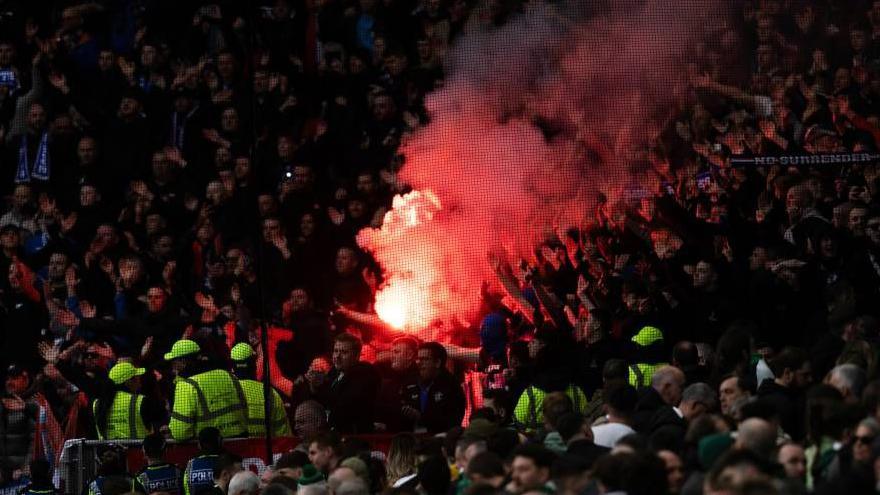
(856, 221)
(704, 275)
(674, 470)
(17, 384)
(155, 299)
(383, 108)
(793, 205)
(320, 457)
(792, 458)
(163, 246)
(88, 195)
(226, 66)
(107, 234)
(105, 60)
(36, 117)
(366, 184)
(345, 261)
(299, 300)
(271, 228)
(266, 204)
(6, 53)
(344, 356)
(128, 108)
(526, 475)
(21, 196)
(401, 357)
(307, 421)
(86, 151)
(758, 258)
(302, 177)
(57, 265)
(872, 230)
(671, 391)
(429, 367)
(729, 393)
(9, 240)
(803, 377)
(229, 120)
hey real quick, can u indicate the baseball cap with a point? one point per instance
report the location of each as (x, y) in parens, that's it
(241, 352)
(182, 348)
(123, 372)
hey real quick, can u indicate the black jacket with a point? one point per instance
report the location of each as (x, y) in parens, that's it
(350, 399)
(787, 403)
(445, 405)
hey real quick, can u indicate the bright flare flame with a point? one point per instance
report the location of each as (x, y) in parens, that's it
(408, 301)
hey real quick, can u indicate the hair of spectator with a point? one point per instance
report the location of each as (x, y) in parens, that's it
(401, 458)
(351, 340)
(210, 439)
(293, 459)
(434, 476)
(850, 376)
(244, 483)
(621, 400)
(154, 445)
(486, 464)
(278, 486)
(685, 353)
(40, 470)
(408, 341)
(313, 489)
(758, 436)
(615, 369)
(667, 375)
(354, 486)
(226, 462)
(555, 405)
(570, 425)
(538, 454)
(790, 358)
(700, 393)
(329, 439)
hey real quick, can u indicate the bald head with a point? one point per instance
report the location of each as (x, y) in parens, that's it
(757, 436)
(338, 476)
(668, 381)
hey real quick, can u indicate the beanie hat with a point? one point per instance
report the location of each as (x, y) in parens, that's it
(712, 447)
(310, 475)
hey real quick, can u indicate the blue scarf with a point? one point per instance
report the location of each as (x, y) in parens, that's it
(41, 167)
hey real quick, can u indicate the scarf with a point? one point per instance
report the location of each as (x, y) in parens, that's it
(40, 171)
(178, 127)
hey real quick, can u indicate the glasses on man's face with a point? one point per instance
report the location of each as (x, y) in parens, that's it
(865, 440)
(873, 226)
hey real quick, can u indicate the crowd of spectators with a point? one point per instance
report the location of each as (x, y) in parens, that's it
(200, 170)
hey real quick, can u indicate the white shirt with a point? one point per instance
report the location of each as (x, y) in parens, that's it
(609, 434)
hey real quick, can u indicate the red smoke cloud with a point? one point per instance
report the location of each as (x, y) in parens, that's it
(535, 119)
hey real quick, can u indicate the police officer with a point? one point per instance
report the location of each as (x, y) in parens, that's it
(112, 478)
(649, 356)
(158, 475)
(119, 413)
(199, 474)
(41, 479)
(244, 361)
(204, 395)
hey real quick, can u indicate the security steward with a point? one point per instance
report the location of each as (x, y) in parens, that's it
(121, 412)
(205, 395)
(158, 475)
(649, 356)
(244, 362)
